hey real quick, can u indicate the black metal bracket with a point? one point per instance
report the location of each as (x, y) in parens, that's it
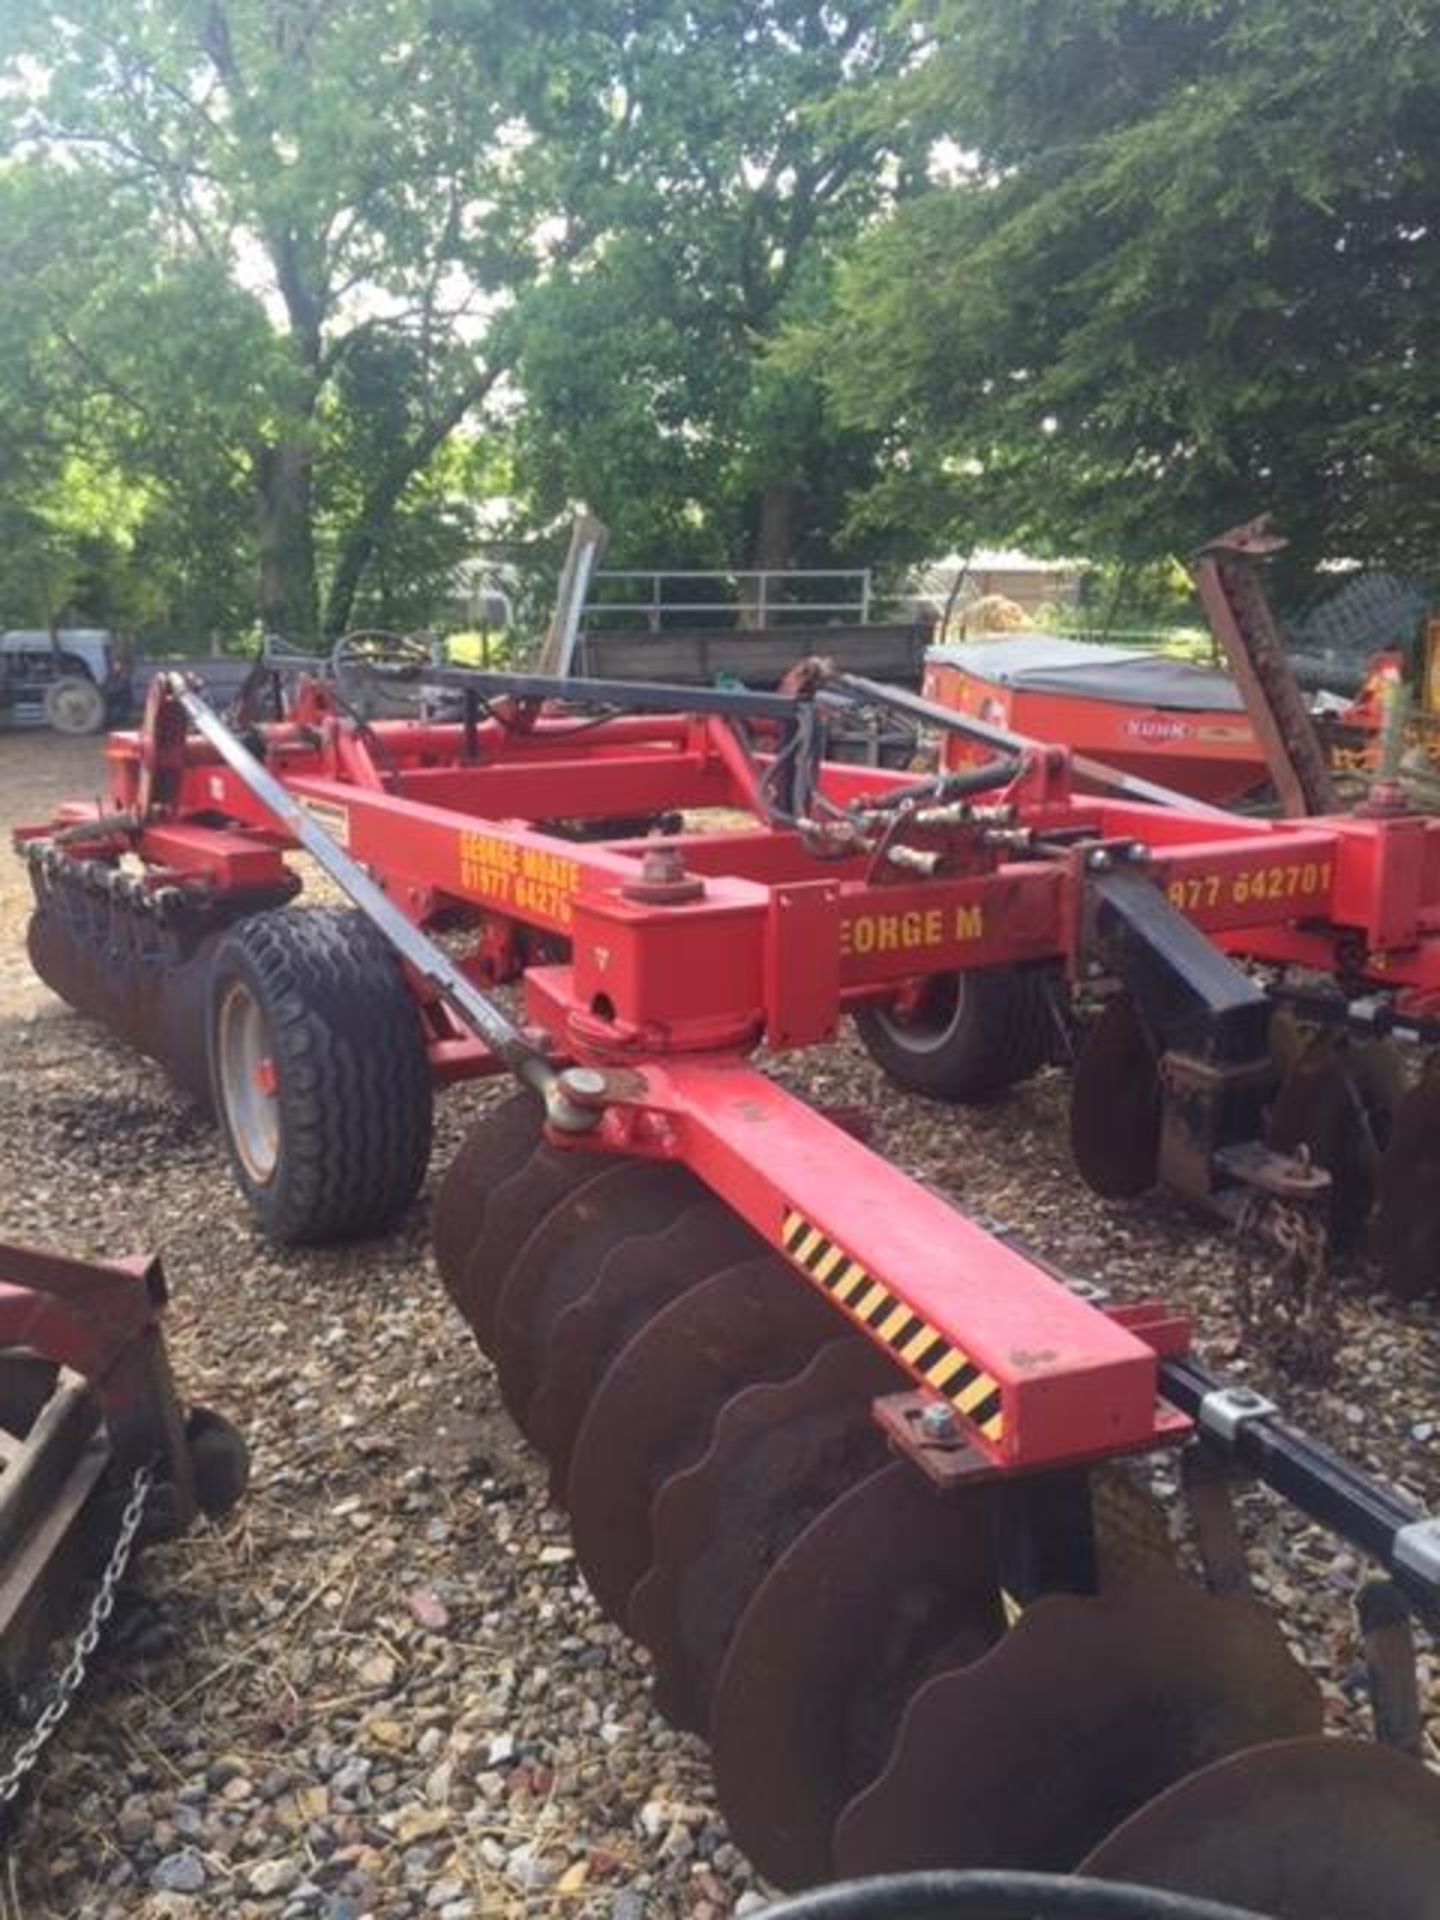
(1247, 1429)
(1193, 999)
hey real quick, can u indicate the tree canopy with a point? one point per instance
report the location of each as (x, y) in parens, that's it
(1185, 266)
(307, 193)
(714, 164)
(304, 300)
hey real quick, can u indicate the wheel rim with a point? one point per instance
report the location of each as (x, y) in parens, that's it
(929, 1019)
(248, 1089)
(75, 706)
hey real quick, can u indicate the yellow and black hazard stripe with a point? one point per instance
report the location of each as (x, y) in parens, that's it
(973, 1393)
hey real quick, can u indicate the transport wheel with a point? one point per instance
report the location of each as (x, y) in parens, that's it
(75, 705)
(965, 1036)
(319, 1072)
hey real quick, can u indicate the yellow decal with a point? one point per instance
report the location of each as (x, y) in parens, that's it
(936, 1359)
(333, 818)
(1254, 886)
(532, 882)
(910, 931)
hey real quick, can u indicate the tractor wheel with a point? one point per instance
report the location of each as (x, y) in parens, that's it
(966, 1036)
(319, 1074)
(75, 705)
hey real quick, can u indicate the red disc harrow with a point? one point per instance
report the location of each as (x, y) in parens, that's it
(855, 1470)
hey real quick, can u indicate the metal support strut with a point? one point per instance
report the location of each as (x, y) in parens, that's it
(431, 963)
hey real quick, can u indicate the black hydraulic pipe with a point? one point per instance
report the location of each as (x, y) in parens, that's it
(917, 707)
(636, 696)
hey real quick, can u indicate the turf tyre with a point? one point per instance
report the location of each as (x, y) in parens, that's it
(350, 1109)
(980, 1033)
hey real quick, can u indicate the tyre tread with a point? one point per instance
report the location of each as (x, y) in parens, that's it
(354, 1078)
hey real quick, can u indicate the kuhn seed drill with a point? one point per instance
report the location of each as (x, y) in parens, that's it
(855, 1470)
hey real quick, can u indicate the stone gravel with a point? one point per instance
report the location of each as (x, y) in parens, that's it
(381, 1687)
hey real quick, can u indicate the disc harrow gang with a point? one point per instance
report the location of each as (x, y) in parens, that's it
(654, 1407)
(853, 1636)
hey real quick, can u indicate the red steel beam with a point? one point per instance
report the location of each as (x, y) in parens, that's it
(1036, 1376)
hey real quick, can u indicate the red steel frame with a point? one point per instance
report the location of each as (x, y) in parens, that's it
(671, 993)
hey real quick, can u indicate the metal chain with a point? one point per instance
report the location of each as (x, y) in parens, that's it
(26, 1756)
(1293, 1311)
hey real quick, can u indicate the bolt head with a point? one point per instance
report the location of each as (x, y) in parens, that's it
(583, 1084)
(662, 865)
(1099, 860)
(937, 1422)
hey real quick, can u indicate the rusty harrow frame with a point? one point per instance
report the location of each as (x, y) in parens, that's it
(88, 1407)
(849, 1464)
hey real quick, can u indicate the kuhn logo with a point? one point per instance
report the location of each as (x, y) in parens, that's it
(1155, 727)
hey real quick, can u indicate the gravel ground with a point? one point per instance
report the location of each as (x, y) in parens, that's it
(381, 1688)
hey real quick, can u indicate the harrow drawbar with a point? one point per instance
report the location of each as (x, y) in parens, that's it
(866, 1480)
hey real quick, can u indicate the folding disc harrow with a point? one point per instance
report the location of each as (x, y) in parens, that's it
(866, 1480)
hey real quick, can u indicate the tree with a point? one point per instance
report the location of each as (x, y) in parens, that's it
(303, 184)
(712, 164)
(1186, 265)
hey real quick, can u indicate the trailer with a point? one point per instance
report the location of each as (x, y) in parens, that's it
(860, 1473)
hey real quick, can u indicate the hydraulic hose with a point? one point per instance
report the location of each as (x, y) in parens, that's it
(999, 1896)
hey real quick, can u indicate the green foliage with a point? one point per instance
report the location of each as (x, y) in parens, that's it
(712, 163)
(244, 196)
(1189, 268)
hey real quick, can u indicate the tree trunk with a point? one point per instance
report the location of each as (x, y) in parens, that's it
(382, 497)
(283, 515)
(774, 544)
(359, 544)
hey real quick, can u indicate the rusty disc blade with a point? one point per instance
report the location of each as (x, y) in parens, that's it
(1115, 1106)
(1407, 1219)
(1085, 1711)
(513, 1211)
(498, 1145)
(779, 1454)
(651, 1416)
(1337, 1102)
(1301, 1829)
(563, 1257)
(891, 1582)
(635, 1282)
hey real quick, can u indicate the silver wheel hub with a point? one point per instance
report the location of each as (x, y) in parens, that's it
(249, 1088)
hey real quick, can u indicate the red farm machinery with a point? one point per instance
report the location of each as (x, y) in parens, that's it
(98, 1455)
(858, 1472)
